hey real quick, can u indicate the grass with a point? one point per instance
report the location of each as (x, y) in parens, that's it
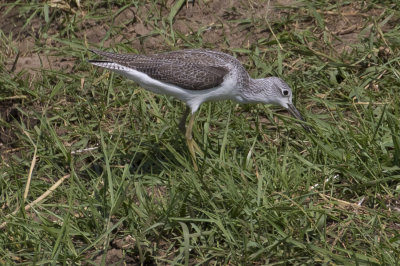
(266, 191)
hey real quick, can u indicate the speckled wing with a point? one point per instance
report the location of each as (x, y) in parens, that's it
(189, 69)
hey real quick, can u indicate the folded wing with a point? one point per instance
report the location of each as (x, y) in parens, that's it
(189, 69)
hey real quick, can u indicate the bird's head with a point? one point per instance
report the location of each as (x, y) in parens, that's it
(274, 90)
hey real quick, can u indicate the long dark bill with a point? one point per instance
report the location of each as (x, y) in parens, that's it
(294, 112)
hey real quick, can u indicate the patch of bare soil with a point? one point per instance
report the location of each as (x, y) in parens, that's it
(220, 24)
(25, 38)
(116, 256)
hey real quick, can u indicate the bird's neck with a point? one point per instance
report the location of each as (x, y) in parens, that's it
(254, 92)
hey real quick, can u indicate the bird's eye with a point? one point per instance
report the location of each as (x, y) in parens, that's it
(285, 92)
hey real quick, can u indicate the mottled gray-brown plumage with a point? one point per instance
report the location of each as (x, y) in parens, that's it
(189, 69)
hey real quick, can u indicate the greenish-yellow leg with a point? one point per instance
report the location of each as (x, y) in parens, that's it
(192, 145)
(183, 120)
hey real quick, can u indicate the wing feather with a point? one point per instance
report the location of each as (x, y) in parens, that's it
(186, 69)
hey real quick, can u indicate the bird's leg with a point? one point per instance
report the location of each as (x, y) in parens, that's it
(182, 122)
(192, 145)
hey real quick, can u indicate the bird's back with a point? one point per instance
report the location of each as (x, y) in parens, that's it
(191, 69)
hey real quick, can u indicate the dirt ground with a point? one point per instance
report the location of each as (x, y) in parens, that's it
(210, 19)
